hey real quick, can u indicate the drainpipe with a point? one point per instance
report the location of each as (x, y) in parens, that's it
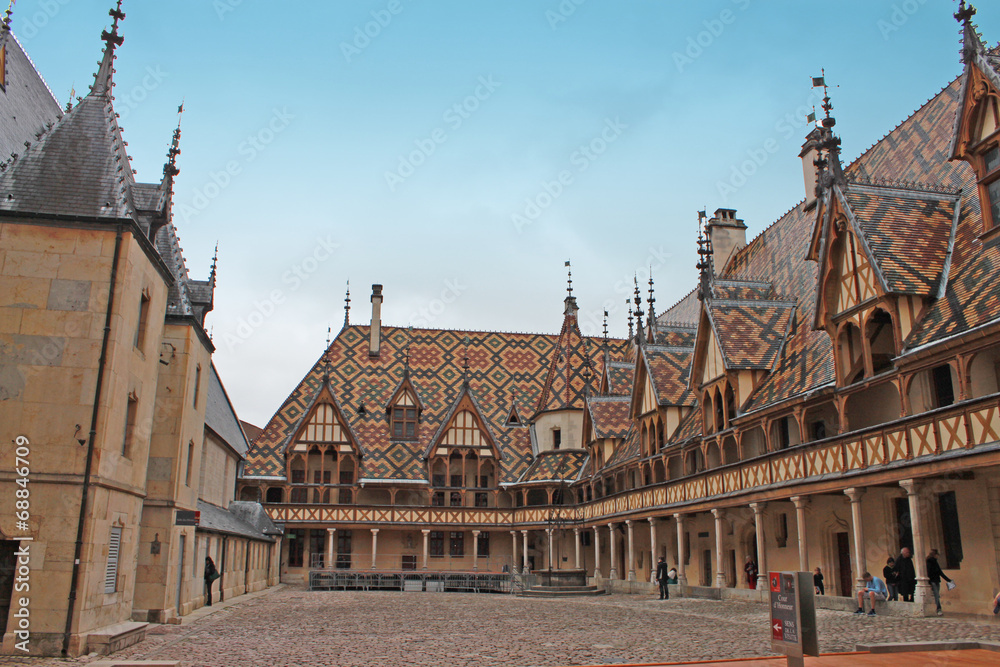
(222, 569)
(91, 441)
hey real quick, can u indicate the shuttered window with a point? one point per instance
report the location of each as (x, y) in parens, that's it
(111, 573)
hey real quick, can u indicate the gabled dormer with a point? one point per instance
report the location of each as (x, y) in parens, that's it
(403, 411)
(976, 137)
(462, 457)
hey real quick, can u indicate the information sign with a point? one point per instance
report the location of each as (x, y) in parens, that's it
(793, 615)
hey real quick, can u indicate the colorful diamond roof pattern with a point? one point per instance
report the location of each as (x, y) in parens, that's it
(610, 416)
(562, 465)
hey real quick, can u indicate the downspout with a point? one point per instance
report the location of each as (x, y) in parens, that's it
(91, 441)
(222, 569)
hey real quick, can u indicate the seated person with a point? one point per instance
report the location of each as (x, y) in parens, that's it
(874, 589)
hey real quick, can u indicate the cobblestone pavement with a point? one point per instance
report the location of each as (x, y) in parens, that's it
(292, 626)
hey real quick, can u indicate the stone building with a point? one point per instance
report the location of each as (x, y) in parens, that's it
(121, 427)
(826, 396)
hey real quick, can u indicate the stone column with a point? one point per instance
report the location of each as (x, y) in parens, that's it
(800, 503)
(427, 549)
(681, 548)
(374, 545)
(923, 592)
(597, 551)
(513, 553)
(631, 551)
(720, 570)
(576, 535)
(331, 539)
(758, 519)
(614, 560)
(548, 538)
(860, 566)
(652, 546)
(475, 549)
(524, 551)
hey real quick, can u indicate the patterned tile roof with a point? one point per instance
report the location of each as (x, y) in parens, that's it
(669, 368)
(676, 335)
(909, 233)
(750, 334)
(610, 416)
(684, 312)
(690, 426)
(626, 451)
(565, 383)
(502, 367)
(560, 465)
(620, 377)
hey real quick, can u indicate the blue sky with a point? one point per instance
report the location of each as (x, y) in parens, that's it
(460, 152)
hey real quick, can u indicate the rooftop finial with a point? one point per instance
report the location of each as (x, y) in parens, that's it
(971, 43)
(569, 280)
(102, 80)
(637, 298)
(465, 362)
(704, 265)
(828, 120)
(5, 24)
(326, 358)
(347, 305)
(628, 303)
(406, 351)
(170, 169)
(605, 331)
(215, 263)
(651, 301)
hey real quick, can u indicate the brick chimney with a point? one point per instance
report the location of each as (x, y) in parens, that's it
(727, 235)
(375, 335)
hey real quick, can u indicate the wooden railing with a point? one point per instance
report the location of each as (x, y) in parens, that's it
(955, 429)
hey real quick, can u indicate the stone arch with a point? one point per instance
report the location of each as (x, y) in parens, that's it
(275, 494)
(713, 455)
(730, 450)
(880, 332)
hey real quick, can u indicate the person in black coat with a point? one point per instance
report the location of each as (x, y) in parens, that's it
(891, 578)
(661, 578)
(906, 575)
(935, 574)
(211, 574)
(818, 582)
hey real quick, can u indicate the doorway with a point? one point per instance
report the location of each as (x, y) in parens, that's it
(844, 576)
(706, 567)
(8, 565)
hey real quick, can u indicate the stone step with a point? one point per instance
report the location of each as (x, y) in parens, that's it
(563, 588)
(554, 592)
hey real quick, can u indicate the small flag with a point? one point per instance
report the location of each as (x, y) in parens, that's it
(180, 109)
(811, 118)
(819, 81)
(702, 214)
(567, 263)
(605, 313)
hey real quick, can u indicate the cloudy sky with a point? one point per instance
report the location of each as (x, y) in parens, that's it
(460, 152)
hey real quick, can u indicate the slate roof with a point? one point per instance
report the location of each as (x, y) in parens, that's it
(220, 416)
(219, 520)
(27, 105)
(684, 312)
(609, 415)
(620, 377)
(502, 367)
(558, 465)
(80, 166)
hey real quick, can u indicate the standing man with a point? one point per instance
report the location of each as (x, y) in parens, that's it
(750, 567)
(907, 581)
(935, 574)
(211, 574)
(661, 578)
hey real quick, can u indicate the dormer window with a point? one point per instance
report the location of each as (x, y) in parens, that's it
(556, 438)
(403, 416)
(990, 184)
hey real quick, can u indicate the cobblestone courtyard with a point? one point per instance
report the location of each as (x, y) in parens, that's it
(292, 626)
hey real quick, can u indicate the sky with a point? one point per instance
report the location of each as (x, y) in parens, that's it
(460, 152)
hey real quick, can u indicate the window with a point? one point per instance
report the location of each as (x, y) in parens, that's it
(556, 438)
(944, 392)
(187, 471)
(140, 329)
(130, 416)
(456, 481)
(455, 499)
(197, 384)
(991, 161)
(111, 571)
(436, 545)
(818, 430)
(481, 500)
(437, 500)
(437, 480)
(483, 544)
(457, 543)
(344, 539)
(300, 495)
(404, 417)
(950, 531)
(298, 476)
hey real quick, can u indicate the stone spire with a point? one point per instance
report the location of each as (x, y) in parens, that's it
(102, 80)
(972, 43)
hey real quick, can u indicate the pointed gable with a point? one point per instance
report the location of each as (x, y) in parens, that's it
(566, 381)
(465, 427)
(323, 423)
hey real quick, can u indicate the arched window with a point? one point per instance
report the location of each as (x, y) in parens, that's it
(881, 340)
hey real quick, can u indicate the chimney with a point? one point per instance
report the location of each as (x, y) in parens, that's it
(375, 335)
(810, 151)
(727, 235)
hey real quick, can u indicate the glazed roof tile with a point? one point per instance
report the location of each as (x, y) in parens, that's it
(610, 416)
(620, 377)
(559, 465)
(669, 368)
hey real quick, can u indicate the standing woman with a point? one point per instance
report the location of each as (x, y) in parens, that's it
(211, 574)
(818, 582)
(891, 578)
(750, 567)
